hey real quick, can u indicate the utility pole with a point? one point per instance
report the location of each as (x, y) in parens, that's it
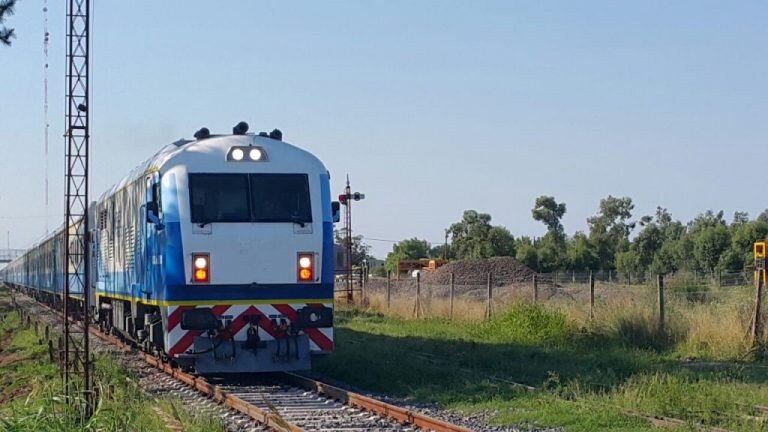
(445, 246)
(346, 199)
(76, 295)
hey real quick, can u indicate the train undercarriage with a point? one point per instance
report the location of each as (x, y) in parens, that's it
(212, 346)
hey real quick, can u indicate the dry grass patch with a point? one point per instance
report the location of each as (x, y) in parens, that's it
(710, 325)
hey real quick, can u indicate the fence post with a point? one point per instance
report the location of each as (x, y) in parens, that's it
(429, 299)
(591, 295)
(417, 306)
(389, 289)
(489, 306)
(535, 288)
(573, 276)
(610, 276)
(362, 286)
(60, 346)
(453, 294)
(50, 349)
(660, 284)
(756, 330)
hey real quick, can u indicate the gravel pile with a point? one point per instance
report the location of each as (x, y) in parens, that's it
(504, 271)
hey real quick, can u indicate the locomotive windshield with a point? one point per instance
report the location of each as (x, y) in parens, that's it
(280, 198)
(250, 198)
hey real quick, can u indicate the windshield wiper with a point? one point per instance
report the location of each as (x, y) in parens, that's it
(298, 220)
(293, 219)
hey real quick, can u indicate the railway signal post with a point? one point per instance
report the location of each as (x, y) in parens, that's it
(346, 199)
(756, 332)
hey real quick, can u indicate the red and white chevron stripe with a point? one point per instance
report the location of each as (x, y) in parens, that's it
(320, 339)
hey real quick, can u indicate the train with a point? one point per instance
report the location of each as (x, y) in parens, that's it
(216, 253)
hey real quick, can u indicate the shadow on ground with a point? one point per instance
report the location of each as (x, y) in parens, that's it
(447, 369)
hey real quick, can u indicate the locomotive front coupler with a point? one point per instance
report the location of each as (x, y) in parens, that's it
(252, 338)
(281, 331)
(293, 334)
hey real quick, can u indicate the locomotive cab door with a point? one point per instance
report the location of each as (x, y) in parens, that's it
(153, 235)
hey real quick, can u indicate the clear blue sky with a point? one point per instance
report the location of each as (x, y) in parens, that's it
(432, 107)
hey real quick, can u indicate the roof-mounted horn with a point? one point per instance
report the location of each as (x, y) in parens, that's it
(276, 134)
(240, 128)
(203, 133)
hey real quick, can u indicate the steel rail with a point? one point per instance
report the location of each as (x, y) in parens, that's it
(266, 418)
(272, 419)
(269, 419)
(373, 405)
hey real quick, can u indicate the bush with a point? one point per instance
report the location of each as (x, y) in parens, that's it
(525, 322)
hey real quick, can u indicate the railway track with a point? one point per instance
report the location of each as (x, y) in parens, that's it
(280, 402)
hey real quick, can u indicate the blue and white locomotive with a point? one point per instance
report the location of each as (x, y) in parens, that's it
(216, 252)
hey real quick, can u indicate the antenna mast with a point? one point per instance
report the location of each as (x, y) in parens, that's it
(46, 39)
(76, 296)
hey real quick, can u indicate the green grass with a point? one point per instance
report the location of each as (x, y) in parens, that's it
(586, 379)
(31, 391)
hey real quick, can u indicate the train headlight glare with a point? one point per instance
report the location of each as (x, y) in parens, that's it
(305, 262)
(305, 274)
(237, 154)
(255, 154)
(201, 262)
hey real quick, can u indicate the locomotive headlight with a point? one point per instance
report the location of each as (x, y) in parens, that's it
(247, 154)
(306, 266)
(201, 271)
(201, 262)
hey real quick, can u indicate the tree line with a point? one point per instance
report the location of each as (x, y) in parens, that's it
(615, 240)
(6, 9)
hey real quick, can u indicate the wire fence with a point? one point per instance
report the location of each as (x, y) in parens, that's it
(585, 295)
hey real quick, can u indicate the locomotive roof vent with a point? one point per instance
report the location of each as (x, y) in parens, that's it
(182, 142)
(240, 128)
(264, 134)
(276, 135)
(203, 133)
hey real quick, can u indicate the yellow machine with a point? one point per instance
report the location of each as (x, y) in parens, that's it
(420, 264)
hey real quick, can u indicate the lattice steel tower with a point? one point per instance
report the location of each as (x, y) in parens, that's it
(77, 359)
